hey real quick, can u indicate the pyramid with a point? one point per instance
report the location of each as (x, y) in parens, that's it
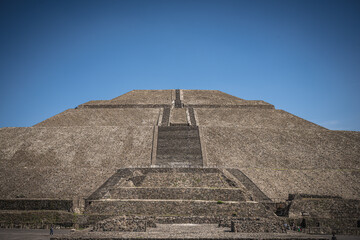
(180, 156)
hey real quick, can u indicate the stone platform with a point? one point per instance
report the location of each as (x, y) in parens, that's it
(180, 157)
(183, 231)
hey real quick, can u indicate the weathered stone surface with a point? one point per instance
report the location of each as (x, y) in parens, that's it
(67, 162)
(214, 98)
(140, 97)
(278, 183)
(258, 225)
(280, 149)
(178, 116)
(280, 162)
(134, 117)
(122, 224)
(178, 146)
(164, 178)
(252, 118)
(186, 231)
(237, 159)
(176, 208)
(333, 208)
(215, 194)
(36, 204)
(36, 219)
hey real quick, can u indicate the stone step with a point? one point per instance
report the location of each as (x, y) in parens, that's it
(183, 151)
(179, 134)
(177, 94)
(192, 116)
(181, 231)
(250, 185)
(250, 226)
(180, 158)
(165, 163)
(176, 208)
(230, 194)
(173, 149)
(218, 220)
(196, 159)
(178, 165)
(178, 154)
(179, 124)
(193, 172)
(178, 141)
(166, 117)
(113, 180)
(178, 162)
(162, 174)
(177, 128)
(178, 104)
(221, 221)
(179, 144)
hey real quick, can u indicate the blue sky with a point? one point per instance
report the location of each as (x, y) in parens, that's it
(301, 56)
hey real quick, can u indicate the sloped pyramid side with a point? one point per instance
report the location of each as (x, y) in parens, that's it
(278, 151)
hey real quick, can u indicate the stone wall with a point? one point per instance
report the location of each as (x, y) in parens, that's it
(36, 204)
(122, 224)
(134, 183)
(281, 162)
(279, 183)
(252, 118)
(325, 208)
(136, 98)
(67, 162)
(122, 117)
(177, 208)
(214, 98)
(280, 149)
(223, 221)
(184, 177)
(341, 226)
(324, 215)
(36, 219)
(146, 97)
(258, 225)
(177, 193)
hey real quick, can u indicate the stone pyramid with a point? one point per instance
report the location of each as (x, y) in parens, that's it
(180, 156)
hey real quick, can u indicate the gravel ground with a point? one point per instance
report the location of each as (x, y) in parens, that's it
(162, 231)
(195, 231)
(30, 234)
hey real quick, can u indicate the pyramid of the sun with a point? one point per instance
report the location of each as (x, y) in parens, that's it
(73, 154)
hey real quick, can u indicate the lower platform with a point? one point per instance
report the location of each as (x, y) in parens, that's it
(184, 231)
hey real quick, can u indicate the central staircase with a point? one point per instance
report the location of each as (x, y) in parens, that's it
(175, 195)
(177, 189)
(178, 146)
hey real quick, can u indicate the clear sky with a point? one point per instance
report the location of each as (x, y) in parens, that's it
(302, 56)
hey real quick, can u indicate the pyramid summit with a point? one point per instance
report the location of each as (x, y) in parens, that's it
(180, 156)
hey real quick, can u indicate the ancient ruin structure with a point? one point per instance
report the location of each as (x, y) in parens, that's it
(153, 157)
